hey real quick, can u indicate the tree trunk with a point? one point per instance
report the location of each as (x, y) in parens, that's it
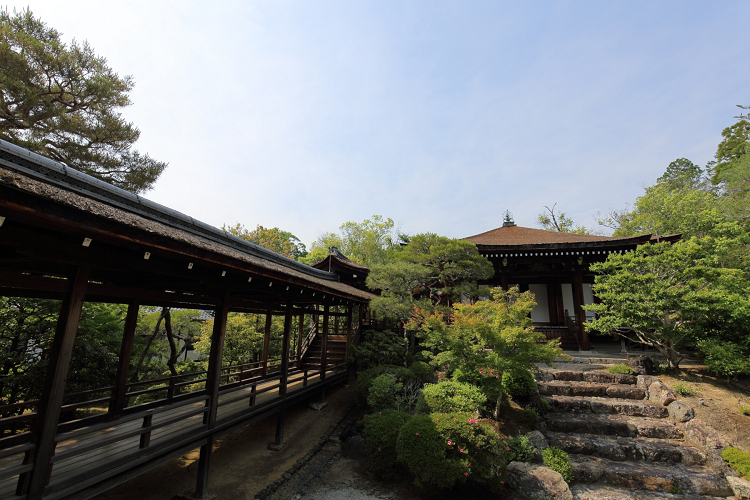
(134, 376)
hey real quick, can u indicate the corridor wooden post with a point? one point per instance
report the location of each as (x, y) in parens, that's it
(266, 342)
(348, 330)
(324, 344)
(213, 380)
(300, 339)
(44, 427)
(126, 350)
(279, 441)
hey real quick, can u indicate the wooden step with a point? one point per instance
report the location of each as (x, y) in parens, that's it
(694, 480)
(606, 406)
(613, 425)
(624, 448)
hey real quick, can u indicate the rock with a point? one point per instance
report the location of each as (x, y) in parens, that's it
(317, 406)
(646, 380)
(539, 442)
(354, 448)
(659, 393)
(625, 391)
(704, 436)
(609, 378)
(569, 375)
(544, 377)
(641, 365)
(536, 482)
(680, 412)
(740, 486)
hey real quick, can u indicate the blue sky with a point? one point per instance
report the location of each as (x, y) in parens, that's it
(440, 115)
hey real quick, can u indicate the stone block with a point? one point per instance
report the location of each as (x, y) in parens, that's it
(536, 482)
(625, 391)
(659, 393)
(641, 365)
(740, 486)
(680, 412)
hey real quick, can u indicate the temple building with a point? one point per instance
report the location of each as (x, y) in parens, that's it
(554, 266)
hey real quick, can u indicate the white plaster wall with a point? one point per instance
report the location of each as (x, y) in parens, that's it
(588, 298)
(567, 292)
(540, 313)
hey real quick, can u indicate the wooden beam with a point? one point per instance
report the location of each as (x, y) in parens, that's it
(579, 312)
(126, 350)
(44, 428)
(212, 389)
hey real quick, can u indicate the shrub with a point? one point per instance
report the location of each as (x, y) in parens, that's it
(451, 396)
(387, 393)
(381, 434)
(744, 409)
(684, 389)
(378, 348)
(545, 404)
(443, 449)
(724, 358)
(365, 378)
(738, 459)
(520, 383)
(423, 372)
(620, 368)
(559, 461)
(529, 417)
(521, 450)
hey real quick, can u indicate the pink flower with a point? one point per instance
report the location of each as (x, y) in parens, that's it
(461, 450)
(449, 443)
(438, 420)
(468, 465)
(466, 473)
(378, 449)
(507, 448)
(417, 434)
(499, 473)
(502, 482)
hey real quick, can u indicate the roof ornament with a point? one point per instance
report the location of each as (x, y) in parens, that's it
(508, 219)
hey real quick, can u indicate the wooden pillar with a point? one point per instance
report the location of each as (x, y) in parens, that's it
(212, 389)
(300, 339)
(285, 349)
(126, 350)
(551, 303)
(44, 427)
(349, 319)
(560, 304)
(266, 343)
(324, 344)
(583, 336)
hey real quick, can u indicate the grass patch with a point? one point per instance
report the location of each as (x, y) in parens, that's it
(620, 368)
(745, 410)
(739, 460)
(684, 389)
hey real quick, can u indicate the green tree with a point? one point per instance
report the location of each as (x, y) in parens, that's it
(560, 222)
(243, 341)
(486, 339)
(735, 145)
(671, 295)
(275, 239)
(431, 269)
(63, 101)
(370, 242)
(683, 174)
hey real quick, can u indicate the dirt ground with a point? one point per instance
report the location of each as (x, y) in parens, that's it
(716, 402)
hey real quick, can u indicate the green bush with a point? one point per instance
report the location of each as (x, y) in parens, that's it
(365, 378)
(738, 459)
(545, 404)
(521, 449)
(450, 396)
(557, 460)
(423, 372)
(388, 393)
(745, 410)
(519, 383)
(381, 434)
(529, 417)
(378, 348)
(620, 368)
(443, 449)
(724, 358)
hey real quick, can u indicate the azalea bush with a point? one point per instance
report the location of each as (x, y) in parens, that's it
(451, 396)
(381, 434)
(445, 449)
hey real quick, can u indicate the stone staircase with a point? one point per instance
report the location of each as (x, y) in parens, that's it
(623, 440)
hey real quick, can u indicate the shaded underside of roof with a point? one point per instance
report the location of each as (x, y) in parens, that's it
(116, 220)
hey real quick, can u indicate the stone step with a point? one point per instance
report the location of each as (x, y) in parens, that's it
(613, 425)
(590, 389)
(624, 448)
(691, 480)
(603, 492)
(606, 406)
(590, 376)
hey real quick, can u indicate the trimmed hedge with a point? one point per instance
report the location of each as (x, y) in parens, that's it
(557, 460)
(365, 378)
(519, 383)
(451, 396)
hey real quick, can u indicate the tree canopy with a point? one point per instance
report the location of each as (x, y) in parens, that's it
(552, 221)
(370, 242)
(281, 242)
(430, 269)
(63, 101)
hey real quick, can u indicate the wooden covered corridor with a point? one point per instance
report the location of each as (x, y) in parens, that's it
(67, 236)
